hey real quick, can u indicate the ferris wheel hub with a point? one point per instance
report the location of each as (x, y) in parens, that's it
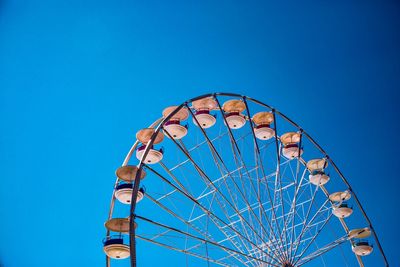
(288, 265)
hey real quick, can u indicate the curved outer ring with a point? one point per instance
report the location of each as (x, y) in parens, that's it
(160, 122)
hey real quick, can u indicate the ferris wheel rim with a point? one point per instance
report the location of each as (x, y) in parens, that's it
(158, 124)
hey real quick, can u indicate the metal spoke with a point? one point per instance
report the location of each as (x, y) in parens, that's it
(234, 143)
(208, 211)
(323, 250)
(203, 175)
(277, 175)
(203, 240)
(183, 251)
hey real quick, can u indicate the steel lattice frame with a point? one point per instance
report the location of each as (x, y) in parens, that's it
(260, 216)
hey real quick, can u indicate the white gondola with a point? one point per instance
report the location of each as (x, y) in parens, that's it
(123, 192)
(153, 156)
(362, 248)
(202, 112)
(292, 151)
(291, 148)
(262, 130)
(317, 174)
(340, 196)
(116, 249)
(342, 211)
(205, 119)
(173, 127)
(235, 120)
(233, 116)
(114, 246)
(318, 178)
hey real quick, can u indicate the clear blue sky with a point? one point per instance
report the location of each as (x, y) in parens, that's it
(79, 78)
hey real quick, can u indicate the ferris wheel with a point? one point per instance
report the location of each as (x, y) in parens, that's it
(226, 180)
